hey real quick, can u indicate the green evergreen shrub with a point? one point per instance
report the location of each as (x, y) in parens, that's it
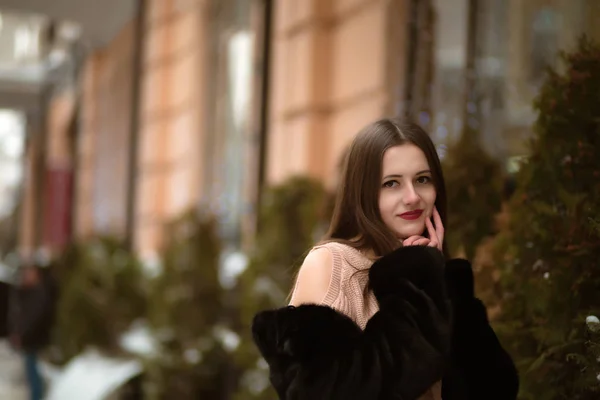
(101, 292)
(550, 249)
(474, 183)
(293, 217)
(185, 308)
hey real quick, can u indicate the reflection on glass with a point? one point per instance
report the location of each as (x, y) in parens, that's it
(12, 136)
(544, 42)
(515, 42)
(233, 51)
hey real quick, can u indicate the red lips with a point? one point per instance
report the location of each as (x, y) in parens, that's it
(411, 215)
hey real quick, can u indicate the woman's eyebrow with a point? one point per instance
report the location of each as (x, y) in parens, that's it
(400, 176)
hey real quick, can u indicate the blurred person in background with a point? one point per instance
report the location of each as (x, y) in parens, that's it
(4, 295)
(6, 282)
(32, 309)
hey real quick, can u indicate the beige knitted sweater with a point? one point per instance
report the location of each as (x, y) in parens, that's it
(347, 291)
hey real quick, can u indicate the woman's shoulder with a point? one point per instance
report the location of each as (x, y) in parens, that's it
(344, 253)
(325, 270)
(335, 247)
(314, 277)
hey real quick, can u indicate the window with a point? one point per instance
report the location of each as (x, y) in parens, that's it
(230, 126)
(544, 43)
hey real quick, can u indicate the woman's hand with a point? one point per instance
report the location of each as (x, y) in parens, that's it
(436, 234)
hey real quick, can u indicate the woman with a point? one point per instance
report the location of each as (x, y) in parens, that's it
(369, 316)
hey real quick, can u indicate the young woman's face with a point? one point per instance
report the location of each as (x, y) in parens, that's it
(407, 194)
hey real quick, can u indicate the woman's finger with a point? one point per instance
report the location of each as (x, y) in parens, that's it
(410, 241)
(439, 226)
(422, 242)
(432, 233)
(435, 241)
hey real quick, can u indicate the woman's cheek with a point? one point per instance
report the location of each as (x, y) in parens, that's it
(429, 199)
(430, 210)
(431, 205)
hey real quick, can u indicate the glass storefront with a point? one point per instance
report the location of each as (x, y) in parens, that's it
(514, 43)
(233, 41)
(12, 141)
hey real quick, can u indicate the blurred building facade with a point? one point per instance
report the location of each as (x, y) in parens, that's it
(201, 104)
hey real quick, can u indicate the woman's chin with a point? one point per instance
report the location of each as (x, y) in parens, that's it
(406, 233)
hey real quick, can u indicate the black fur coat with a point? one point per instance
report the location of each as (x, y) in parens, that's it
(430, 327)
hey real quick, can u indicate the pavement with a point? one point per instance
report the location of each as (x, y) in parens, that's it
(12, 379)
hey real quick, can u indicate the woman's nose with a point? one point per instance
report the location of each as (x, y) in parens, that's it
(410, 195)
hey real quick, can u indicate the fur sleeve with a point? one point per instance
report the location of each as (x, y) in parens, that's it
(409, 286)
(314, 352)
(481, 368)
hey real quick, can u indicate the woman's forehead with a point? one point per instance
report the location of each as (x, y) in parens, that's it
(404, 159)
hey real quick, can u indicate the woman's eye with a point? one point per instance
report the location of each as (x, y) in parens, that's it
(390, 184)
(423, 179)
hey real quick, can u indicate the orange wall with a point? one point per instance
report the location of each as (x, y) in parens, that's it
(103, 148)
(170, 132)
(329, 71)
(172, 112)
(60, 114)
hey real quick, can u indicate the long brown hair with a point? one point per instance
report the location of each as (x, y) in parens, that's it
(356, 218)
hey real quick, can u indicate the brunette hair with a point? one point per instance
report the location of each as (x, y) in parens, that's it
(356, 218)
